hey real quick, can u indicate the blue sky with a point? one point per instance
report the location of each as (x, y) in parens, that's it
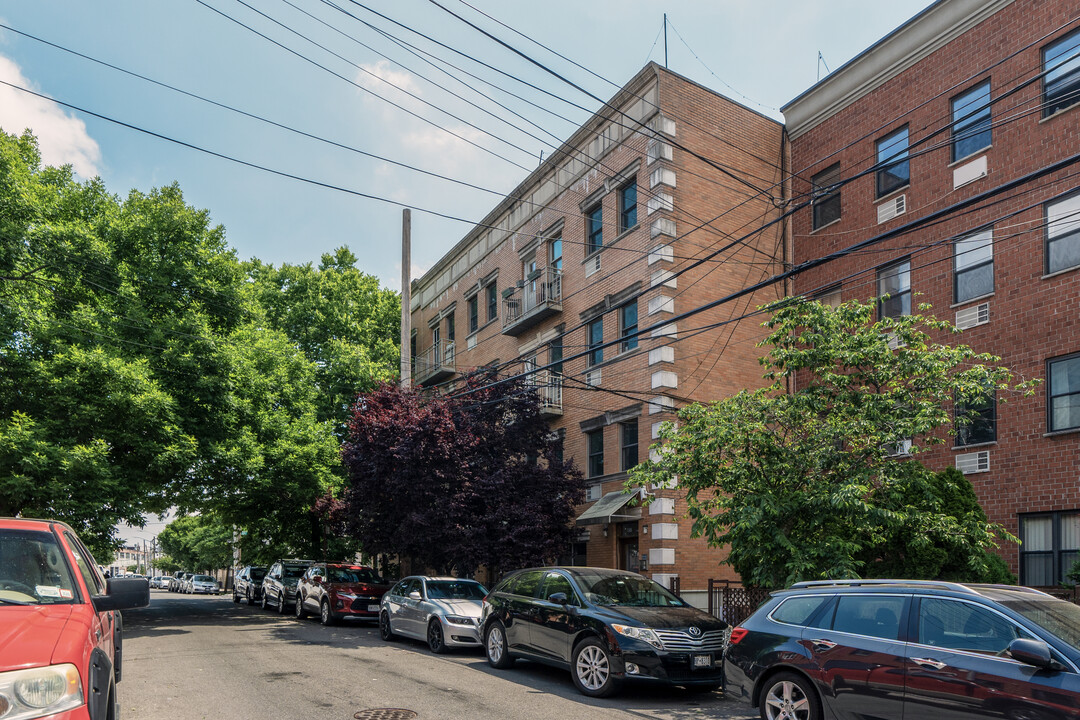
(759, 52)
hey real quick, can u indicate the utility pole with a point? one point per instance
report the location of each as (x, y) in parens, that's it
(406, 298)
(665, 41)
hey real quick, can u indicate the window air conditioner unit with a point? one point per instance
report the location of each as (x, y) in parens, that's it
(893, 207)
(971, 316)
(976, 462)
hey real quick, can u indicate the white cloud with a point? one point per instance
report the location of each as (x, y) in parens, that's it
(62, 138)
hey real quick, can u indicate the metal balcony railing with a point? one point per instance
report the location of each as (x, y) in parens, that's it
(538, 296)
(549, 388)
(435, 364)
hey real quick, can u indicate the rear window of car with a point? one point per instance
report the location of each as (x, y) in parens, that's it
(871, 615)
(293, 571)
(257, 573)
(527, 583)
(203, 578)
(798, 610)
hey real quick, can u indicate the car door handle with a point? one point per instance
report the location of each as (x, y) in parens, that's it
(929, 663)
(823, 645)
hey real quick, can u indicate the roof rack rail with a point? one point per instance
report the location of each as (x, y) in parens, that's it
(854, 582)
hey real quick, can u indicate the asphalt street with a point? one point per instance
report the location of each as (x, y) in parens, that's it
(194, 657)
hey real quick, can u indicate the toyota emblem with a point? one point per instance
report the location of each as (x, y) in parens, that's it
(695, 631)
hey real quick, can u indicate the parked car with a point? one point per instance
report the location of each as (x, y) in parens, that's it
(339, 590)
(161, 582)
(60, 626)
(892, 648)
(181, 582)
(605, 626)
(203, 584)
(443, 611)
(279, 585)
(185, 583)
(248, 584)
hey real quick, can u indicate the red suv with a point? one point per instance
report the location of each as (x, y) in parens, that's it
(60, 632)
(340, 590)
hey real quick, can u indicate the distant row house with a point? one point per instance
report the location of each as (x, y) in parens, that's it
(593, 272)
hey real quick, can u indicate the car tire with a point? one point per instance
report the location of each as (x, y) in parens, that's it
(385, 631)
(235, 597)
(590, 666)
(301, 613)
(281, 603)
(495, 647)
(326, 615)
(436, 639)
(250, 600)
(263, 603)
(787, 695)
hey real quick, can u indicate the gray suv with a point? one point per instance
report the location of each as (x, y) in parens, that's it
(908, 648)
(279, 585)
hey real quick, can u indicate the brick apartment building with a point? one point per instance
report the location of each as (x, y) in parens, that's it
(587, 250)
(962, 128)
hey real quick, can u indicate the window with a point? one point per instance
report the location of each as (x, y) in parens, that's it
(1063, 393)
(1049, 545)
(556, 254)
(797, 610)
(971, 121)
(976, 422)
(473, 304)
(596, 339)
(492, 302)
(825, 194)
(556, 355)
(893, 172)
(1061, 81)
(1063, 234)
(957, 625)
(627, 325)
(872, 615)
(595, 440)
(830, 297)
(629, 445)
(594, 229)
(628, 206)
(894, 280)
(973, 266)
(450, 327)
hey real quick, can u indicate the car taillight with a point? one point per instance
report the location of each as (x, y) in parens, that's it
(737, 634)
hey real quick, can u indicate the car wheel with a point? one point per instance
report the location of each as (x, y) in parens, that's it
(385, 631)
(281, 603)
(326, 616)
(263, 603)
(235, 597)
(591, 669)
(300, 612)
(498, 653)
(250, 600)
(435, 639)
(789, 697)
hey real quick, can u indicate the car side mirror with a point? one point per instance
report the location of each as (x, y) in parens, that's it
(415, 595)
(1033, 652)
(123, 594)
(558, 598)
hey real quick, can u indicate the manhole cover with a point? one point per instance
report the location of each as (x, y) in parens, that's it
(385, 714)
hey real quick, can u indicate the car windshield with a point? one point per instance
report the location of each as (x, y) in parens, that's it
(203, 578)
(455, 590)
(1057, 616)
(606, 588)
(33, 570)
(258, 573)
(352, 575)
(291, 572)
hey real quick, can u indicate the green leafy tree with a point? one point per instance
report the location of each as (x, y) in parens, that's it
(813, 476)
(197, 542)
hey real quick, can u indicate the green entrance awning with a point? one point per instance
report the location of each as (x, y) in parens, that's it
(610, 508)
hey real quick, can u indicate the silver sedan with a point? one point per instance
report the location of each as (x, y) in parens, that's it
(443, 611)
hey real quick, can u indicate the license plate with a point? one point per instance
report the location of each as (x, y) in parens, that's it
(373, 608)
(698, 662)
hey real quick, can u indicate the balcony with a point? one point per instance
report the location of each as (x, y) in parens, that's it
(538, 297)
(549, 388)
(435, 364)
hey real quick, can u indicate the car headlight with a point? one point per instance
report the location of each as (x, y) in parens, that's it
(345, 596)
(639, 634)
(38, 692)
(460, 620)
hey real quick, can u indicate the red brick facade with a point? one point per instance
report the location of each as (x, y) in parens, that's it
(1031, 314)
(668, 122)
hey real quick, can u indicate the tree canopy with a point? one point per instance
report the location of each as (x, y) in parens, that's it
(817, 474)
(143, 366)
(459, 481)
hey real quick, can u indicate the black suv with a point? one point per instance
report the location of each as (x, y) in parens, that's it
(906, 648)
(605, 626)
(279, 585)
(248, 584)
